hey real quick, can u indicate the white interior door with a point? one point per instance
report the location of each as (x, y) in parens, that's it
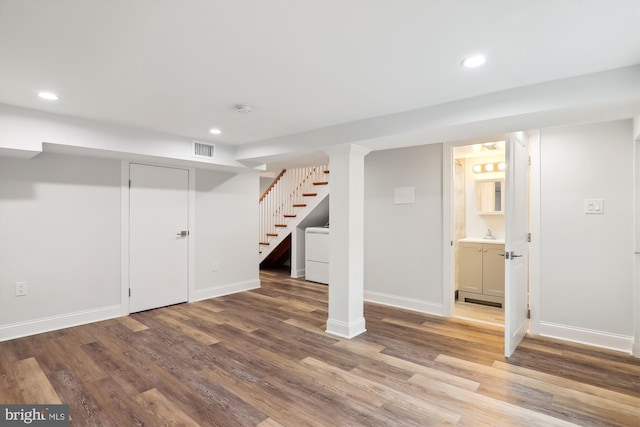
(158, 239)
(516, 244)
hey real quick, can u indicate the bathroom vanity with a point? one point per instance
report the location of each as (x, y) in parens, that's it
(481, 271)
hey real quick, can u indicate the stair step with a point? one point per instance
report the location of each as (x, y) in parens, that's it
(299, 205)
(264, 243)
(309, 194)
(280, 225)
(326, 171)
(289, 215)
(272, 234)
(321, 183)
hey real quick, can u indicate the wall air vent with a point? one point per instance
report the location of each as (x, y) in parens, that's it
(200, 149)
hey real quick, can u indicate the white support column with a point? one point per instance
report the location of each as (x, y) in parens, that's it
(346, 247)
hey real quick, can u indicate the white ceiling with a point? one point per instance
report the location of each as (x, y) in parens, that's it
(178, 66)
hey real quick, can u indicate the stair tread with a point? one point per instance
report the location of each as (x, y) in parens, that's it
(289, 215)
(321, 183)
(280, 225)
(264, 243)
(272, 234)
(299, 205)
(309, 194)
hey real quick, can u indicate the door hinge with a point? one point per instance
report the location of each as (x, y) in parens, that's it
(129, 291)
(529, 161)
(452, 243)
(529, 237)
(528, 313)
(129, 184)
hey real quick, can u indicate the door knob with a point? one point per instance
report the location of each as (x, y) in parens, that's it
(513, 255)
(183, 233)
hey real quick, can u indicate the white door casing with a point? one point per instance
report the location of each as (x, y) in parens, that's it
(158, 254)
(635, 350)
(516, 244)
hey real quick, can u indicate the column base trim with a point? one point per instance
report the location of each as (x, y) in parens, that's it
(346, 330)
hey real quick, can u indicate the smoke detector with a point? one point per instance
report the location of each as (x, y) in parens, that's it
(243, 108)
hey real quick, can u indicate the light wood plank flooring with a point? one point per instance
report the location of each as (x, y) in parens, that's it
(479, 313)
(261, 358)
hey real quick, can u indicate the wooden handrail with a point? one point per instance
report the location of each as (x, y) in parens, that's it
(272, 184)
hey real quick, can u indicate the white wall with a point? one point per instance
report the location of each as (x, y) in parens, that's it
(60, 231)
(403, 243)
(586, 265)
(226, 232)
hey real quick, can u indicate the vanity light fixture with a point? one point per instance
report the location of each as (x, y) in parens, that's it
(489, 167)
(48, 95)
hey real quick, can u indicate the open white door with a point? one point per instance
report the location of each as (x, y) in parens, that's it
(516, 242)
(158, 240)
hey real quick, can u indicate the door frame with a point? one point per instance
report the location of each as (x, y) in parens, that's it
(448, 259)
(635, 349)
(125, 228)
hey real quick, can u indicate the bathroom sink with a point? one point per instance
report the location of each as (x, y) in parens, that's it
(481, 240)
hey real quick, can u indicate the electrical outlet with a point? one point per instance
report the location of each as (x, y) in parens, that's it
(215, 265)
(21, 289)
(594, 206)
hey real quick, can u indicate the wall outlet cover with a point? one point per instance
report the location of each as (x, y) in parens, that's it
(594, 206)
(21, 289)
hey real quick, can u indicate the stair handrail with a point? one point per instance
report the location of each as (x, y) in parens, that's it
(275, 181)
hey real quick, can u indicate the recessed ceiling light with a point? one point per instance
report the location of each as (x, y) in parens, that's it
(474, 61)
(215, 131)
(48, 95)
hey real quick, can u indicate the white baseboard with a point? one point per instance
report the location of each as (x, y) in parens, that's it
(296, 274)
(587, 336)
(53, 323)
(218, 291)
(405, 303)
(346, 330)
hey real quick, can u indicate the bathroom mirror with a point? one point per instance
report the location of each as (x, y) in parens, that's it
(490, 196)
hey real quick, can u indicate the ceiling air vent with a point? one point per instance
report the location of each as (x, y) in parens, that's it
(200, 149)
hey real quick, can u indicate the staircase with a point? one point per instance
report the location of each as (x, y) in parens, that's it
(293, 195)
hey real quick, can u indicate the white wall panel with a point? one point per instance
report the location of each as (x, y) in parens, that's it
(403, 243)
(586, 262)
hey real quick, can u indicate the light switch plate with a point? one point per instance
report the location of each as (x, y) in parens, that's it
(594, 206)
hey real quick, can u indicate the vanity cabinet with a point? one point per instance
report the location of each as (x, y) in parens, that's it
(481, 272)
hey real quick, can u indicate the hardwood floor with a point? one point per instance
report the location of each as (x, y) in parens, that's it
(479, 313)
(261, 358)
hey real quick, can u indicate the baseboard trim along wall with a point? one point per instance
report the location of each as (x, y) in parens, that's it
(601, 339)
(297, 274)
(53, 323)
(405, 303)
(218, 291)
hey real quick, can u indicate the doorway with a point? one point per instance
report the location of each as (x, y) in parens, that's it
(473, 254)
(479, 229)
(158, 236)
